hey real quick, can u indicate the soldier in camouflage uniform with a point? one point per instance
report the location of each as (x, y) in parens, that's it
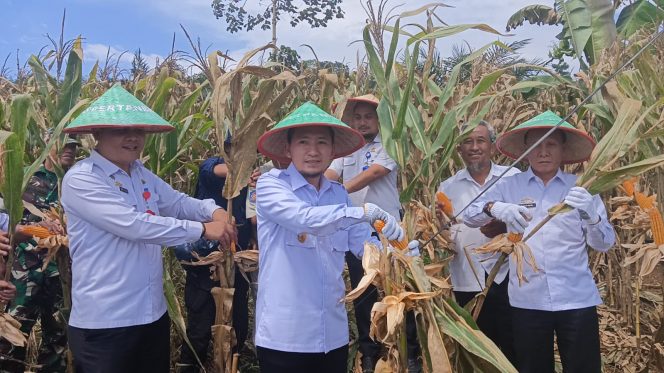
(38, 287)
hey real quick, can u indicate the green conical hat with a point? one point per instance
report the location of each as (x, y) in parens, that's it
(118, 108)
(577, 147)
(273, 143)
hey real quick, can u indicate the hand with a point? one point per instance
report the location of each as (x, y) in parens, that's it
(7, 291)
(580, 199)
(514, 216)
(493, 228)
(4, 243)
(392, 231)
(52, 225)
(254, 177)
(220, 215)
(440, 207)
(222, 231)
(413, 248)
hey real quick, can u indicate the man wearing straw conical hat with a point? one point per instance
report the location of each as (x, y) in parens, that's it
(370, 175)
(306, 224)
(119, 215)
(561, 298)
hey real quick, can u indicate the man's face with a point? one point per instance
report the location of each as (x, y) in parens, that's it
(311, 150)
(476, 150)
(365, 120)
(546, 158)
(68, 156)
(121, 146)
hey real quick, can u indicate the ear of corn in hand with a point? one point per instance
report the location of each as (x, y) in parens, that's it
(443, 199)
(401, 245)
(35, 231)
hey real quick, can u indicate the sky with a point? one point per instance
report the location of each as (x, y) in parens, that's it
(126, 25)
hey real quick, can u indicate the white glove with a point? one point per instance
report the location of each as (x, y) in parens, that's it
(514, 216)
(580, 199)
(392, 231)
(413, 248)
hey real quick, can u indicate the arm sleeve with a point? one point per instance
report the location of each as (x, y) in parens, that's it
(600, 236)
(337, 166)
(383, 159)
(206, 176)
(276, 201)
(474, 217)
(358, 234)
(4, 221)
(94, 201)
(181, 206)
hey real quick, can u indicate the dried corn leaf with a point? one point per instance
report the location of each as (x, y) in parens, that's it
(10, 329)
(247, 260)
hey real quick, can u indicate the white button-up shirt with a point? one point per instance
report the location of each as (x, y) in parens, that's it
(115, 241)
(461, 189)
(564, 281)
(303, 235)
(382, 191)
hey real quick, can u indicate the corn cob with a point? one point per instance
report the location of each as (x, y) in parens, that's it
(647, 203)
(35, 231)
(446, 202)
(514, 237)
(657, 226)
(401, 245)
(629, 186)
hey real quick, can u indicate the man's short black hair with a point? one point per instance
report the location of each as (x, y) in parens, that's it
(290, 131)
(562, 133)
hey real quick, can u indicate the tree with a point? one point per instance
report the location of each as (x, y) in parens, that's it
(315, 12)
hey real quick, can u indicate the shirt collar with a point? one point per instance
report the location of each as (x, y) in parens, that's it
(107, 166)
(298, 181)
(493, 172)
(530, 175)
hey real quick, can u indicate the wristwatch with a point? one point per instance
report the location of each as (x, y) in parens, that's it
(487, 208)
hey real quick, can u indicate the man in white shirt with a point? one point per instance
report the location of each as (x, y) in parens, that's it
(370, 175)
(561, 298)
(468, 269)
(306, 224)
(119, 215)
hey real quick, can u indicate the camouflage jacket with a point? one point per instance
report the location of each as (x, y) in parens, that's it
(42, 191)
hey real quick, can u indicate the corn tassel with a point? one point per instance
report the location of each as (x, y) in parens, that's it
(401, 245)
(443, 199)
(35, 231)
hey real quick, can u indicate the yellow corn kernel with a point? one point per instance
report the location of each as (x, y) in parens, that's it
(657, 226)
(629, 186)
(443, 199)
(514, 237)
(35, 231)
(401, 245)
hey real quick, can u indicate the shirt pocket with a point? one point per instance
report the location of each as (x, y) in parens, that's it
(301, 241)
(349, 162)
(340, 241)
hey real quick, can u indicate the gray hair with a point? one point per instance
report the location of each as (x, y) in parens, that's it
(489, 127)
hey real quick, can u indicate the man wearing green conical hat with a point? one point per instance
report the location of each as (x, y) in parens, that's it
(370, 175)
(306, 224)
(119, 215)
(561, 298)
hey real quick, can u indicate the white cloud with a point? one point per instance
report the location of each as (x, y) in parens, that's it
(332, 42)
